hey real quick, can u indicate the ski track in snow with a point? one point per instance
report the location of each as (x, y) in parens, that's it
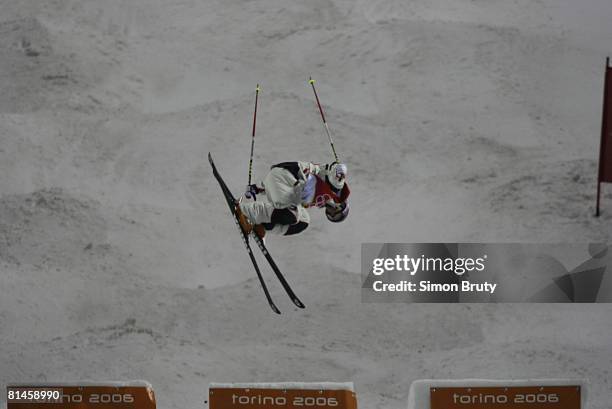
(472, 122)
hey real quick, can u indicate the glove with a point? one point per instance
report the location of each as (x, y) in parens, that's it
(337, 170)
(252, 191)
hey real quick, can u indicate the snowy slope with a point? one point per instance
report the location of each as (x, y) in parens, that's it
(476, 121)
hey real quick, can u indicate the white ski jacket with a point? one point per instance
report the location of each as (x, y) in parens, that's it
(289, 185)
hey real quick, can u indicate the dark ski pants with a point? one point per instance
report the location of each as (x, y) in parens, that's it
(286, 217)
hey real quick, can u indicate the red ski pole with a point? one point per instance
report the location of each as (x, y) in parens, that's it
(331, 142)
(253, 134)
(249, 193)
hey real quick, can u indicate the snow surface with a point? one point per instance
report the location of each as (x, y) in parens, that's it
(137, 383)
(342, 386)
(467, 121)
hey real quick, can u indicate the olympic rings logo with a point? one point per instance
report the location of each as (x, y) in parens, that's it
(320, 200)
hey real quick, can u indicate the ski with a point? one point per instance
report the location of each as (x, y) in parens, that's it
(278, 273)
(231, 203)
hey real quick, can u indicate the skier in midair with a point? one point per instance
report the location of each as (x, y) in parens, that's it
(290, 188)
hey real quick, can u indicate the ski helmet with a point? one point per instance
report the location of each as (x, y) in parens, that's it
(337, 214)
(336, 175)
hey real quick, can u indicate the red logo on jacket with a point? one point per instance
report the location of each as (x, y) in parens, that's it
(324, 193)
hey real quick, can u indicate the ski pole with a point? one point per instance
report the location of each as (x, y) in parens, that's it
(331, 142)
(248, 191)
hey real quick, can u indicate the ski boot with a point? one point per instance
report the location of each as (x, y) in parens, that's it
(246, 225)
